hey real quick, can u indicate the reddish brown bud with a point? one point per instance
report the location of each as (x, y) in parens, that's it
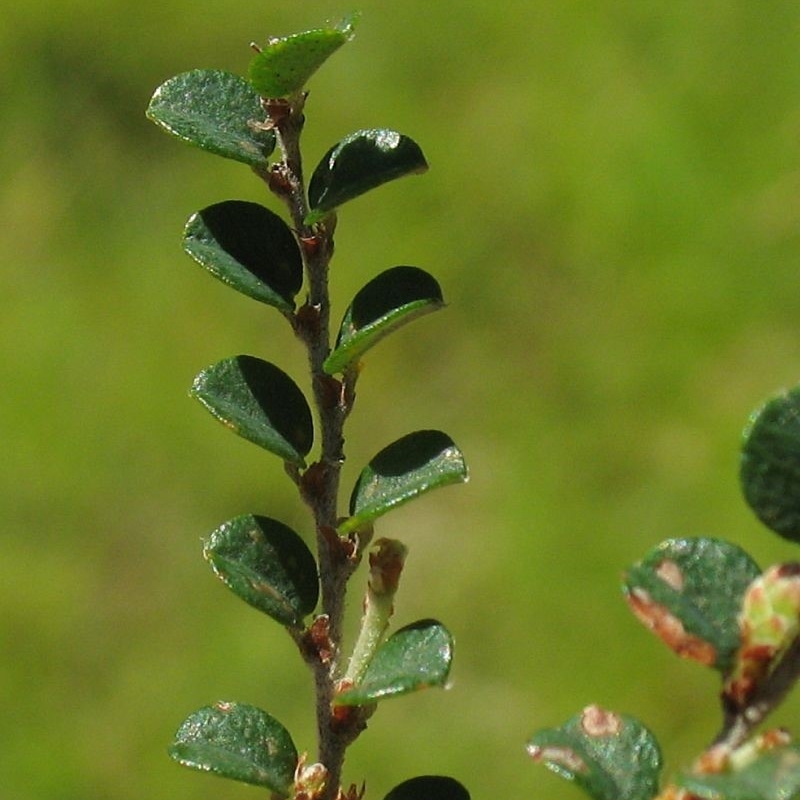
(317, 643)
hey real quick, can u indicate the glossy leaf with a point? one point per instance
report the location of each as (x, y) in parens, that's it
(610, 756)
(689, 593)
(266, 564)
(772, 776)
(415, 657)
(213, 109)
(259, 402)
(770, 465)
(361, 162)
(240, 742)
(395, 297)
(409, 467)
(285, 64)
(249, 248)
(429, 787)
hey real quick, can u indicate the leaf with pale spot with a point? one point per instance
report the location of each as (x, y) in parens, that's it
(689, 593)
(610, 756)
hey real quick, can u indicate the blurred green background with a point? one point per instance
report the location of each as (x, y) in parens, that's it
(613, 211)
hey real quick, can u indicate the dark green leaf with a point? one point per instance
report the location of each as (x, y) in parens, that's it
(213, 110)
(772, 776)
(429, 787)
(415, 657)
(267, 564)
(240, 742)
(259, 402)
(770, 466)
(388, 301)
(689, 593)
(361, 162)
(249, 248)
(409, 467)
(610, 756)
(284, 65)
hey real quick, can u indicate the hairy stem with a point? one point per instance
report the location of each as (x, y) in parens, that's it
(319, 484)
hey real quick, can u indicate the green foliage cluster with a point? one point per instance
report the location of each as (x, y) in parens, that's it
(709, 602)
(706, 598)
(262, 560)
(612, 213)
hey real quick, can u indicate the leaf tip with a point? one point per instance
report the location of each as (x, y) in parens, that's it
(347, 25)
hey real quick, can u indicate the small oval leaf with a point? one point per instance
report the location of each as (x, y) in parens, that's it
(259, 402)
(429, 787)
(240, 742)
(213, 109)
(361, 162)
(266, 564)
(770, 464)
(395, 297)
(284, 65)
(775, 775)
(249, 248)
(409, 467)
(415, 657)
(689, 593)
(610, 756)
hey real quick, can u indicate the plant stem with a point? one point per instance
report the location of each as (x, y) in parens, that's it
(740, 722)
(319, 484)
